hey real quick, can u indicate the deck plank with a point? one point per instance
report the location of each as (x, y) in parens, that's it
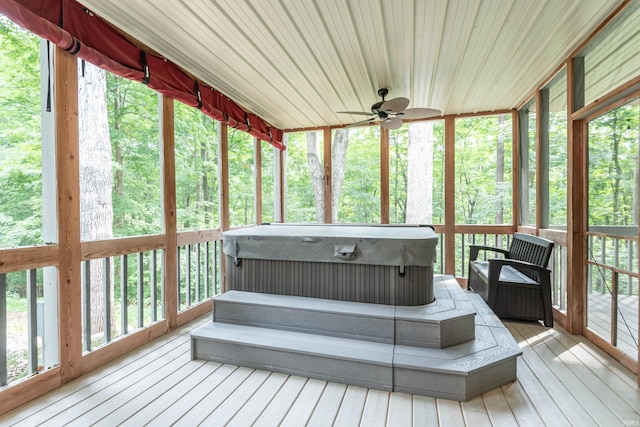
(99, 397)
(215, 398)
(581, 406)
(328, 406)
(475, 412)
(562, 394)
(184, 404)
(375, 408)
(613, 402)
(400, 409)
(425, 412)
(144, 413)
(562, 380)
(49, 405)
(236, 400)
(352, 406)
(282, 402)
(250, 412)
(120, 407)
(304, 405)
(498, 408)
(449, 413)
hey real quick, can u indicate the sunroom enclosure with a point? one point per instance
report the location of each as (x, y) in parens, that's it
(564, 165)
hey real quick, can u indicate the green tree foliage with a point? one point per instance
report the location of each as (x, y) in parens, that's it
(20, 141)
(300, 199)
(360, 196)
(196, 139)
(480, 193)
(135, 141)
(241, 179)
(613, 161)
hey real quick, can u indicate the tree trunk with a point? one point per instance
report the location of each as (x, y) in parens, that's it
(420, 173)
(96, 208)
(338, 162)
(317, 173)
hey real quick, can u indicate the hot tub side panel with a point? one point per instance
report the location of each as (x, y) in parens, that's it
(378, 284)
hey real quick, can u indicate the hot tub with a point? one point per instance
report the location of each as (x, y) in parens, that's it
(381, 264)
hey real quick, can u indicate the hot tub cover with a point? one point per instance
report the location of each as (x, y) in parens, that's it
(359, 244)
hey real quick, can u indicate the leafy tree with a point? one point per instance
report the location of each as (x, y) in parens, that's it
(20, 141)
(196, 140)
(483, 190)
(241, 179)
(133, 126)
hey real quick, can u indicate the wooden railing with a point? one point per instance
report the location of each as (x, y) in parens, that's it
(134, 270)
(199, 272)
(613, 280)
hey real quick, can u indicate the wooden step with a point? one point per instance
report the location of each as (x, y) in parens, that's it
(460, 372)
(447, 321)
(343, 360)
(369, 345)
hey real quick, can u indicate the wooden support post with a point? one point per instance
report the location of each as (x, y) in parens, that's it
(576, 246)
(68, 167)
(168, 164)
(257, 178)
(576, 194)
(328, 181)
(515, 174)
(223, 179)
(449, 195)
(384, 175)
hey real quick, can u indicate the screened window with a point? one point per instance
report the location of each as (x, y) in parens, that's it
(120, 191)
(304, 201)
(557, 139)
(21, 144)
(268, 177)
(196, 151)
(241, 179)
(416, 173)
(355, 163)
(483, 170)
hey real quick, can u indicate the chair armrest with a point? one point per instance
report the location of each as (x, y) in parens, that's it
(496, 264)
(475, 249)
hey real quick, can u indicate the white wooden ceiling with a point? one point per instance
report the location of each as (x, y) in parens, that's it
(296, 62)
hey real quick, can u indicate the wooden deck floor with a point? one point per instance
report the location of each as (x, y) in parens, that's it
(562, 380)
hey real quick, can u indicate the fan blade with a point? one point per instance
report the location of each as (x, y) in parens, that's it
(392, 123)
(356, 113)
(418, 113)
(395, 105)
(371, 120)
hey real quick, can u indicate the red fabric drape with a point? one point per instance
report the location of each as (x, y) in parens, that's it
(76, 29)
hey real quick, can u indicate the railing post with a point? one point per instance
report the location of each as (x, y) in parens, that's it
(188, 279)
(86, 304)
(179, 275)
(140, 289)
(32, 314)
(123, 294)
(207, 266)
(614, 308)
(198, 271)
(3, 329)
(215, 267)
(107, 298)
(154, 285)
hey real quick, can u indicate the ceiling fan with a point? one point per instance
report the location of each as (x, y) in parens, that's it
(390, 113)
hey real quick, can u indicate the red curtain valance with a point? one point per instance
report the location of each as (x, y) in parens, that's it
(76, 29)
